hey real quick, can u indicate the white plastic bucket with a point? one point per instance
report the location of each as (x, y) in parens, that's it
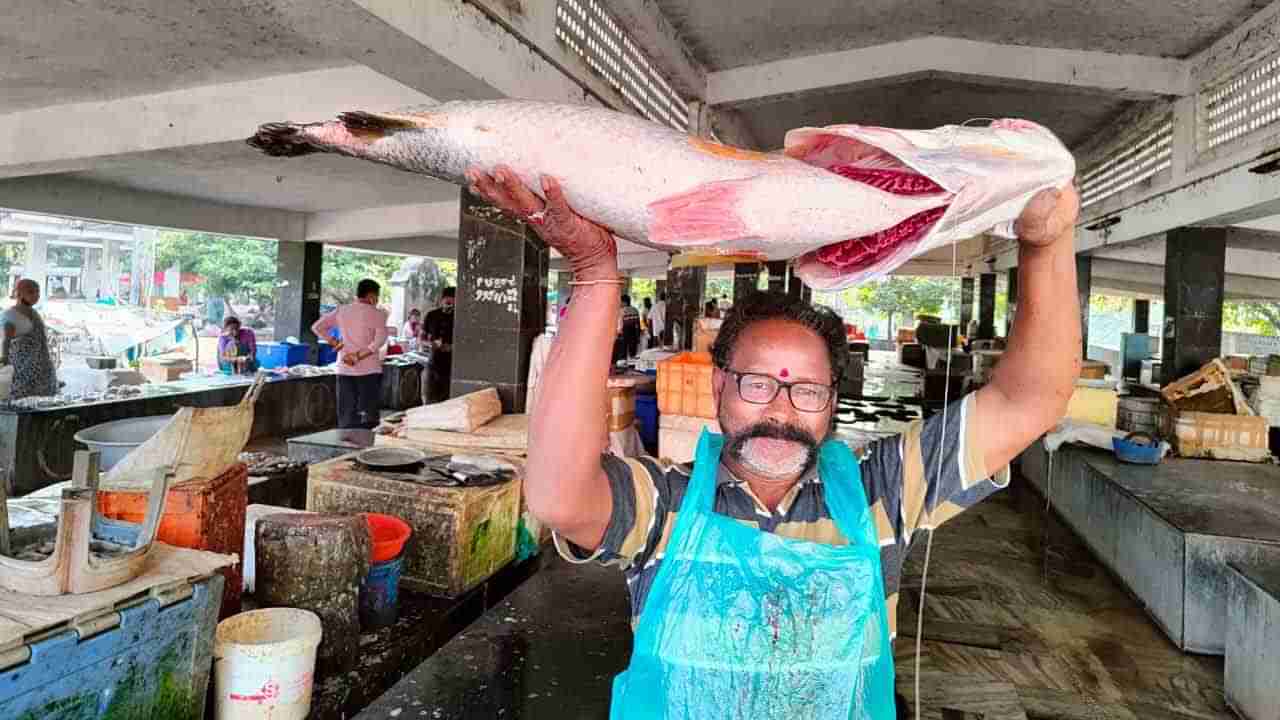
(263, 662)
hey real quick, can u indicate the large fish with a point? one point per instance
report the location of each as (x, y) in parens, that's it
(850, 202)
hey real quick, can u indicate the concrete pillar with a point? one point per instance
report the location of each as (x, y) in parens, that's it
(1194, 272)
(966, 304)
(746, 278)
(298, 266)
(142, 266)
(111, 268)
(36, 266)
(986, 306)
(1141, 317)
(777, 275)
(1011, 301)
(685, 289)
(91, 274)
(501, 305)
(1084, 288)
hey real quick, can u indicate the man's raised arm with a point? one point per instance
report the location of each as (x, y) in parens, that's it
(565, 484)
(1029, 391)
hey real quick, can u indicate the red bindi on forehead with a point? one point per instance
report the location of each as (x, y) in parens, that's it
(784, 373)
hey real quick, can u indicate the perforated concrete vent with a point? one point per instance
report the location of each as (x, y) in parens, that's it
(1142, 155)
(590, 31)
(1240, 105)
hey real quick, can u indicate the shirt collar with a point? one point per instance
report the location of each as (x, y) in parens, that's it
(725, 477)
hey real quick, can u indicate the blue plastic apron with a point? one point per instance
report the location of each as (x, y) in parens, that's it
(741, 623)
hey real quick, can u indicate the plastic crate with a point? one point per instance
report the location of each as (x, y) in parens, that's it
(684, 385)
(199, 514)
(152, 660)
(274, 354)
(647, 415)
(327, 356)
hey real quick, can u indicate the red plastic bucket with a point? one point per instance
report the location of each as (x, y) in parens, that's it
(389, 534)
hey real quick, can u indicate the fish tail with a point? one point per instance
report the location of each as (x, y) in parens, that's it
(280, 139)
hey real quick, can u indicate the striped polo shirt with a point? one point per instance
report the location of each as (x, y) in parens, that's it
(916, 480)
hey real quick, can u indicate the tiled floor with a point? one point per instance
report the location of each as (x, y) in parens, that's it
(1012, 631)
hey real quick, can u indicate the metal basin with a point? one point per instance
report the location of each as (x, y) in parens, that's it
(119, 437)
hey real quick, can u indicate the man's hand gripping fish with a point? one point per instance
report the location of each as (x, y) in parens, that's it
(850, 202)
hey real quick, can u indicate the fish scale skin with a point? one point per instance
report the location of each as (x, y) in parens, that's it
(613, 166)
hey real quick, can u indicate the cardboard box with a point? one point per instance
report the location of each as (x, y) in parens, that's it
(164, 369)
(678, 436)
(622, 408)
(705, 332)
(1217, 436)
(1094, 402)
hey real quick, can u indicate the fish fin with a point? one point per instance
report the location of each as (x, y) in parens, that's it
(371, 125)
(705, 215)
(282, 140)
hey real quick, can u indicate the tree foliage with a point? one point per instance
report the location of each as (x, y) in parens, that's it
(906, 296)
(344, 269)
(237, 268)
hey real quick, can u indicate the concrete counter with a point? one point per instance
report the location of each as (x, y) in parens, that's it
(1168, 531)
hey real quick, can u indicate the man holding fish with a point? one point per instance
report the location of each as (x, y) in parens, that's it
(764, 577)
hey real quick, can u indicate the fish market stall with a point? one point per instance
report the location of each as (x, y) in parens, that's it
(37, 435)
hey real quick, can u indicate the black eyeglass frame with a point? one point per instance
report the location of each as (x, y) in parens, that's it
(781, 385)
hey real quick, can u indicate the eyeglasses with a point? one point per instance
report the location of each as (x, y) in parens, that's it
(760, 389)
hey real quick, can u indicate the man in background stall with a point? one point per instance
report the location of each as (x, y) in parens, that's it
(437, 336)
(363, 326)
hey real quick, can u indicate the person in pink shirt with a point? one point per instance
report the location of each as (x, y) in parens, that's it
(363, 330)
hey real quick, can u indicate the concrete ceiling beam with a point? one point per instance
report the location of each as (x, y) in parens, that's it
(453, 50)
(71, 197)
(437, 219)
(1144, 277)
(68, 138)
(420, 246)
(1131, 76)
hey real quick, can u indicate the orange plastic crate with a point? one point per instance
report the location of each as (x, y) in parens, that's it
(200, 514)
(684, 385)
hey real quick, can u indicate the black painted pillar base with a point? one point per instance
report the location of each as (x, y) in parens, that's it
(1141, 317)
(501, 306)
(777, 275)
(1084, 289)
(1011, 301)
(298, 268)
(966, 304)
(986, 306)
(746, 279)
(685, 289)
(1194, 274)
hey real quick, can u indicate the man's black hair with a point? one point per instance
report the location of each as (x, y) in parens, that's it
(761, 306)
(626, 299)
(662, 296)
(368, 287)
(231, 319)
(648, 302)
(449, 292)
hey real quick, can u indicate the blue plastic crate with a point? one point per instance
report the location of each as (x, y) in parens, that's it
(647, 415)
(154, 664)
(328, 355)
(274, 354)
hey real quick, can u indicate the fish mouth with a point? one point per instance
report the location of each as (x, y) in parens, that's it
(857, 254)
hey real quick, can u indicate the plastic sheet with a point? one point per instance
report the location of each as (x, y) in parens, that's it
(741, 623)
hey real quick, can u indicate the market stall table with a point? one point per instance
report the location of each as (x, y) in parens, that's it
(1167, 531)
(38, 443)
